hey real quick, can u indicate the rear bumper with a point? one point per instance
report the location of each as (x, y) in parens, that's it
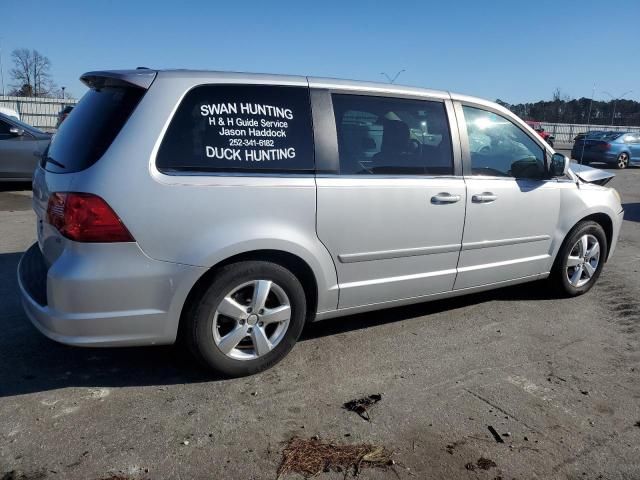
(589, 156)
(104, 295)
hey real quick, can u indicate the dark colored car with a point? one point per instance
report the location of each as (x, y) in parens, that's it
(63, 114)
(546, 136)
(615, 148)
(581, 135)
(21, 147)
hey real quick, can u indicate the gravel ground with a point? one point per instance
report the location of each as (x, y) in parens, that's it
(558, 380)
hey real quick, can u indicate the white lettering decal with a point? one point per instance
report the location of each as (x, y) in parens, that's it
(223, 153)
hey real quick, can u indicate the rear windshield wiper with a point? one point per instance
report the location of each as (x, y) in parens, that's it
(48, 159)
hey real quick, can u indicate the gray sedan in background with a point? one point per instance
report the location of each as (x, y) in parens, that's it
(21, 147)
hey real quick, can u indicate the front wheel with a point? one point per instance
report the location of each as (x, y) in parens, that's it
(622, 161)
(248, 319)
(580, 259)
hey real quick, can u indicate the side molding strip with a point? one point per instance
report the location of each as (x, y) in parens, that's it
(506, 241)
(405, 252)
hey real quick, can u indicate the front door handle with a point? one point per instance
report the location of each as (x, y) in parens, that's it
(484, 197)
(445, 197)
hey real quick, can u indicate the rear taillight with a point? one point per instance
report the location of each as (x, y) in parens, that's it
(84, 217)
(603, 146)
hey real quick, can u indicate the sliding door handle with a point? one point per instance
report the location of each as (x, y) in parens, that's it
(484, 197)
(445, 197)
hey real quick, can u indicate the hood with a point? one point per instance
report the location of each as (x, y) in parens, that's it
(590, 174)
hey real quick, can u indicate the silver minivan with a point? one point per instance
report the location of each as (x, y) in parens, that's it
(229, 209)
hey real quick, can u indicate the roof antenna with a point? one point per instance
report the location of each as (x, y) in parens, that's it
(392, 80)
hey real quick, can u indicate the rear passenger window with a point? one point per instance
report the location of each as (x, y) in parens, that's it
(392, 136)
(242, 128)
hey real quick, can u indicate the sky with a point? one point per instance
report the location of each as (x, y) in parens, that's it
(513, 50)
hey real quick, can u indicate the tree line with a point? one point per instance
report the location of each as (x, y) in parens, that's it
(31, 75)
(562, 109)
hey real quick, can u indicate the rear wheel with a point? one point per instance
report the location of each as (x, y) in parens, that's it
(248, 319)
(623, 160)
(580, 259)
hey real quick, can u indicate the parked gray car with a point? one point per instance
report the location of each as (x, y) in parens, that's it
(228, 210)
(21, 147)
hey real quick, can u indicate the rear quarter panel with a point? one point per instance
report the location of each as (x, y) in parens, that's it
(203, 220)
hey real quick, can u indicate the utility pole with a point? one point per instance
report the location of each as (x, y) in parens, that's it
(394, 78)
(615, 100)
(593, 94)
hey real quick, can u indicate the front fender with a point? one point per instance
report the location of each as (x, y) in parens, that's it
(585, 201)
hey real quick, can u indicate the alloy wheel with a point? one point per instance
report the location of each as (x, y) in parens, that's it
(623, 160)
(251, 320)
(583, 260)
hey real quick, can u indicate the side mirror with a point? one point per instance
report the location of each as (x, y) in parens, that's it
(16, 132)
(559, 165)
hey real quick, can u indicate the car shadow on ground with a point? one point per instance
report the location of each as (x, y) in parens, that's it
(14, 186)
(32, 363)
(631, 212)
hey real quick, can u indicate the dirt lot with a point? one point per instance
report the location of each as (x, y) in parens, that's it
(558, 380)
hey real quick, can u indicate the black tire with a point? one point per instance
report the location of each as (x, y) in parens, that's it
(559, 278)
(198, 330)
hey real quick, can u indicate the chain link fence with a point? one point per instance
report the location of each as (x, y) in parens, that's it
(37, 111)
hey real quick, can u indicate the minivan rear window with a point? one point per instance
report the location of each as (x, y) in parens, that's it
(239, 128)
(91, 128)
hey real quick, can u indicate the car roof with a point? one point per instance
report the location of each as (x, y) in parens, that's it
(143, 77)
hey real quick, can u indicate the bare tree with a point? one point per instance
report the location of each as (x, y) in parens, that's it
(30, 73)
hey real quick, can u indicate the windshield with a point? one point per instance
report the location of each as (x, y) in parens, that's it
(85, 136)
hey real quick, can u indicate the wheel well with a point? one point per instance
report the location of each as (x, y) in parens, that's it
(607, 225)
(292, 262)
(601, 219)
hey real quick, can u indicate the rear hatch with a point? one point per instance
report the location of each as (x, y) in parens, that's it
(82, 139)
